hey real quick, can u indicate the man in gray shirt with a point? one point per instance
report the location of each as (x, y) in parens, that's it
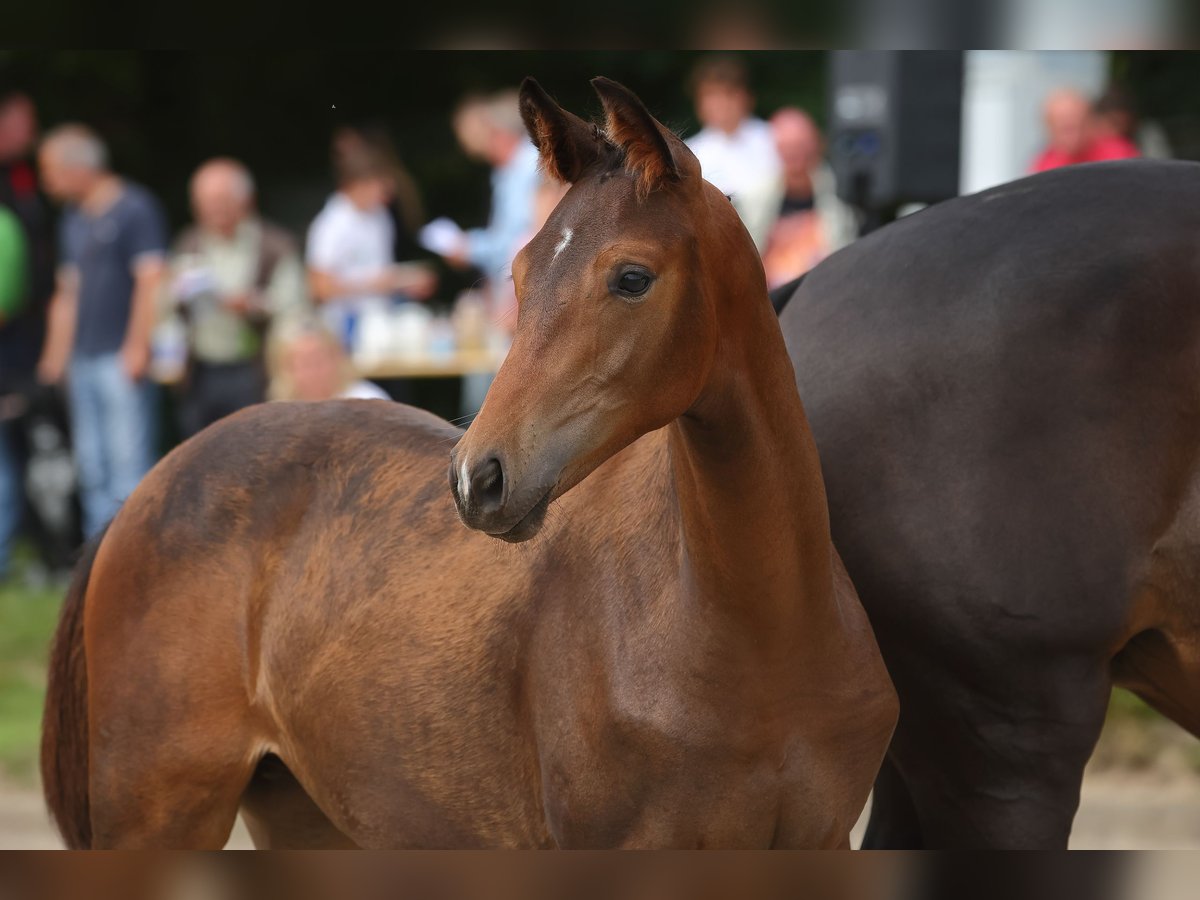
(112, 247)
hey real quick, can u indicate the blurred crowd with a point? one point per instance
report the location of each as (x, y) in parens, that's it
(102, 307)
(1080, 130)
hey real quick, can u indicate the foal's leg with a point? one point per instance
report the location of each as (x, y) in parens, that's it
(168, 784)
(173, 741)
(998, 762)
(280, 815)
(1164, 670)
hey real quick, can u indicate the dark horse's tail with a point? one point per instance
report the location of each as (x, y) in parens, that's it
(65, 720)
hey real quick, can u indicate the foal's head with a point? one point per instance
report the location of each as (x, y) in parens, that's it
(616, 331)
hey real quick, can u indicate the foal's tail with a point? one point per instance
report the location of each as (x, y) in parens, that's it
(65, 719)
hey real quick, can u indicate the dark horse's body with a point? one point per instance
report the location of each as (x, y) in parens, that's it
(1005, 392)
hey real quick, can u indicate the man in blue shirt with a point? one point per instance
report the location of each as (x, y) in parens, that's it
(113, 239)
(491, 129)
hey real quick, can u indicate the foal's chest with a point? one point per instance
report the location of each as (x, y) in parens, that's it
(631, 797)
(675, 783)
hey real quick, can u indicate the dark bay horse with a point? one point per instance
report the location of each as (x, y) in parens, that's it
(287, 616)
(1005, 392)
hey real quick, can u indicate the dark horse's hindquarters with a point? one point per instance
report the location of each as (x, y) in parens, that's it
(1005, 391)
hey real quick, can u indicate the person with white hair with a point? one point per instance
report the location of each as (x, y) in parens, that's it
(490, 129)
(232, 275)
(112, 239)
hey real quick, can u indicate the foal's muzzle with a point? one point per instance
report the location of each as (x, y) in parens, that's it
(484, 501)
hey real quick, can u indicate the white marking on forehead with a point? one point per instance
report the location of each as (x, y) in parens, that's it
(566, 239)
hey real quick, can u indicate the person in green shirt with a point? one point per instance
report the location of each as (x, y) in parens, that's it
(14, 287)
(14, 265)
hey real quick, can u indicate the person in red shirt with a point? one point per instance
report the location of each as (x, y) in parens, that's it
(1114, 125)
(1077, 134)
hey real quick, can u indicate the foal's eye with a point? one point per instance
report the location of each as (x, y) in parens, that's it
(633, 284)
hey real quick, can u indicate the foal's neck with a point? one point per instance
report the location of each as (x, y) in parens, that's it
(754, 521)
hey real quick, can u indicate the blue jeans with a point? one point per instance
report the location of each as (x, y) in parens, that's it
(113, 432)
(12, 496)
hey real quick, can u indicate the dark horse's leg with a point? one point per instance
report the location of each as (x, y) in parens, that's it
(893, 822)
(1034, 876)
(991, 756)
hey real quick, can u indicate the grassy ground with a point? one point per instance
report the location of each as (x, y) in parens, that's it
(1138, 739)
(27, 619)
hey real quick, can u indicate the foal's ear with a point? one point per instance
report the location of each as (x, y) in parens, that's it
(566, 144)
(652, 152)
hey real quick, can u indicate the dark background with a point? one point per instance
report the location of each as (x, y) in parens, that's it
(163, 112)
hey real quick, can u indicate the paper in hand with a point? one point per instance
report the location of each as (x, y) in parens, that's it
(193, 282)
(441, 236)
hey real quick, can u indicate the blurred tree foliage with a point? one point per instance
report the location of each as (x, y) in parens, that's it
(164, 112)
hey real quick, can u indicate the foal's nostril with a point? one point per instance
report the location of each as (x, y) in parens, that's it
(487, 485)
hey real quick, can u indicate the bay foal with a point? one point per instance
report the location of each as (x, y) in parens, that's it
(286, 617)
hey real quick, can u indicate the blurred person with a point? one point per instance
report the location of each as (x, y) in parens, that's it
(1112, 121)
(27, 270)
(1065, 114)
(491, 129)
(232, 275)
(502, 308)
(351, 264)
(1116, 113)
(504, 296)
(14, 290)
(21, 336)
(308, 362)
(112, 258)
(405, 206)
(1076, 135)
(736, 150)
(813, 222)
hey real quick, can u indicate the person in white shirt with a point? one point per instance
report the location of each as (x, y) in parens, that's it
(351, 265)
(736, 150)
